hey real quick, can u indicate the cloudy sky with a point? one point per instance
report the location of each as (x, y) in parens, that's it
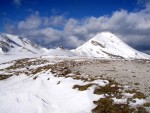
(70, 23)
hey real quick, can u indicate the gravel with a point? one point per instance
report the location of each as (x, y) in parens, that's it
(132, 73)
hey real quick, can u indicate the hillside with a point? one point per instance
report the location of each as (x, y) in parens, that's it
(13, 44)
(107, 45)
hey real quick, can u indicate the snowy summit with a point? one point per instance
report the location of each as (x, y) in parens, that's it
(107, 45)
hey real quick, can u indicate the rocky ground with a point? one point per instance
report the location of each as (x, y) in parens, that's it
(135, 74)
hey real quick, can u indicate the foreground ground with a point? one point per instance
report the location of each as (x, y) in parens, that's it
(74, 85)
(133, 73)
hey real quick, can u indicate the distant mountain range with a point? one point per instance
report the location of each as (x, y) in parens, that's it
(103, 45)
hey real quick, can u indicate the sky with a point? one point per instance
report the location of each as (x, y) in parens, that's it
(70, 23)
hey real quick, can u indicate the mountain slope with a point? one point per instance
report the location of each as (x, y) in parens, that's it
(13, 44)
(107, 45)
(60, 52)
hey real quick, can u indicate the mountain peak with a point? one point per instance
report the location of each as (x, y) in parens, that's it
(108, 45)
(12, 43)
(105, 33)
(106, 36)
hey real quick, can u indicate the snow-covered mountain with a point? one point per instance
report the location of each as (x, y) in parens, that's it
(103, 45)
(107, 45)
(14, 44)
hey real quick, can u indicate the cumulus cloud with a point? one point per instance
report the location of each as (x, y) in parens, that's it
(32, 22)
(57, 20)
(131, 27)
(48, 35)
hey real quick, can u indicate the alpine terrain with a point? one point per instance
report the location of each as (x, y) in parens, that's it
(104, 75)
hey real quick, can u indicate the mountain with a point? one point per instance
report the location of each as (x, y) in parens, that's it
(14, 44)
(107, 45)
(103, 45)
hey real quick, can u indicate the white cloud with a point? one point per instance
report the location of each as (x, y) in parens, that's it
(32, 22)
(73, 41)
(49, 34)
(54, 21)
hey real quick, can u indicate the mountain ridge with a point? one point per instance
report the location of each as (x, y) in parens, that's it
(10, 43)
(103, 45)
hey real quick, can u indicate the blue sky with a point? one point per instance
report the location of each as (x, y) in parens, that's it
(16, 10)
(70, 23)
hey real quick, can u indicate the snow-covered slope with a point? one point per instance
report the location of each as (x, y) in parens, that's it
(14, 44)
(107, 45)
(1, 51)
(60, 52)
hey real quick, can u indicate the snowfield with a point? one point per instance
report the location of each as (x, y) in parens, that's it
(24, 95)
